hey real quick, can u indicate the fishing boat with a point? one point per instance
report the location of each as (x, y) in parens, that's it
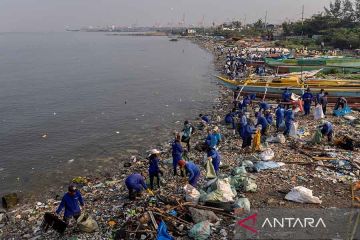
(327, 64)
(273, 87)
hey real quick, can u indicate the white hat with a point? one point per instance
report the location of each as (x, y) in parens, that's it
(154, 151)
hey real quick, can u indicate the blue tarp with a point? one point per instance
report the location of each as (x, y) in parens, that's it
(342, 112)
(162, 233)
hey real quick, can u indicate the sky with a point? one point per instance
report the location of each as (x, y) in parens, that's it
(56, 15)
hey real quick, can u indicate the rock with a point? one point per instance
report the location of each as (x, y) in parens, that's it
(203, 215)
(10, 200)
(26, 236)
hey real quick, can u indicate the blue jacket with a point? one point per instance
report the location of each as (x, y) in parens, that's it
(319, 96)
(134, 180)
(249, 130)
(279, 114)
(213, 139)
(326, 128)
(229, 118)
(154, 165)
(243, 121)
(71, 204)
(192, 170)
(307, 98)
(205, 119)
(262, 121)
(269, 118)
(177, 151)
(264, 105)
(216, 159)
(286, 96)
(289, 116)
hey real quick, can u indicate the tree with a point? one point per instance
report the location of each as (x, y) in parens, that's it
(357, 10)
(347, 11)
(334, 9)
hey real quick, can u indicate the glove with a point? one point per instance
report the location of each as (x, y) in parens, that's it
(150, 192)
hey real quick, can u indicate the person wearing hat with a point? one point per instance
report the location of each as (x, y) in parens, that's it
(177, 152)
(70, 202)
(286, 96)
(261, 120)
(154, 170)
(214, 138)
(192, 170)
(307, 97)
(135, 183)
(264, 106)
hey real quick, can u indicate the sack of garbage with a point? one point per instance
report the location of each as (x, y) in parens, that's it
(293, 130)
(267, 155)
(257, 141)
(261, 165)
(250, 185)
(223, 192)
(317, 137)
(191, 194)
(87, 224)
(239, 170)
(302, 194)
(200, 231)
(199, 215)
(243, 203)
(162, 232)
(210, 171)
(318, 112)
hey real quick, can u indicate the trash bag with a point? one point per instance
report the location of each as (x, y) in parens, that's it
(342, 112)
(223, 192)
(210, 171)
(302, 194)
(239, 170)
(256, 141)
(199, 215)
(317, 137)
(281, 138)
(200, 231)
(261, 165)
(293, 130)
(318, 112)
(191, 194)
(243, 203)
(162, 233)
(87, 224)
(267, 155)
(237, 181)
(250, 185)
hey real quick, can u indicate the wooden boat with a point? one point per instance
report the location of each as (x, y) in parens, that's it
(273, 87)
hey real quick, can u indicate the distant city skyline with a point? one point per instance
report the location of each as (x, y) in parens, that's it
(55, 15)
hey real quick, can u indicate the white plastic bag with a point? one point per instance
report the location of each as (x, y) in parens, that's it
(191, 194)
(318, 112)
(267, 155)
(293, 129)
(87, 224)
(223, 192)
(302, 194)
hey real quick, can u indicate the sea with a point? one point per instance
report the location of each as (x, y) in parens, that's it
(74, 103)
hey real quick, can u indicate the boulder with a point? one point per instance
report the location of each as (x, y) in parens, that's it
(199, 215)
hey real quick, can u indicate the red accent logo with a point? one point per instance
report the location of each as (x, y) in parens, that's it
(253, 219)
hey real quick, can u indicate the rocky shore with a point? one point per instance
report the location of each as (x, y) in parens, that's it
(106, 197)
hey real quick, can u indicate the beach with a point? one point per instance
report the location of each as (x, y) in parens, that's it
(106, 197)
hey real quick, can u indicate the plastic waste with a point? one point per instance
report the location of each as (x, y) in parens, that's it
(302, 194)
(87, 224)
(267, 155)
(191, 194)
(223, 192)
(261, 165)
(250, 185)
(317, 137)
(162, 232)
(210, 171)
(293, 130)
(199, 215)
(242, 203)
(200, 231)
(318, 112)
(257, 141)
(342, 112)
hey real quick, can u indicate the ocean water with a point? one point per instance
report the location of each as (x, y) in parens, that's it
(73, 102)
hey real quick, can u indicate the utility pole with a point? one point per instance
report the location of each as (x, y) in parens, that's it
(265, 20)
(302, 20)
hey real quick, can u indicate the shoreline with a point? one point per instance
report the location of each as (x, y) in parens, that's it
(106, 196)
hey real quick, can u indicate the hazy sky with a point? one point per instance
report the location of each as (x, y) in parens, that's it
(55, 15)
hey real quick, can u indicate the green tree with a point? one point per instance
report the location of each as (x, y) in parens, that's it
(334, 9)
(347, 14)
(357, 11)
